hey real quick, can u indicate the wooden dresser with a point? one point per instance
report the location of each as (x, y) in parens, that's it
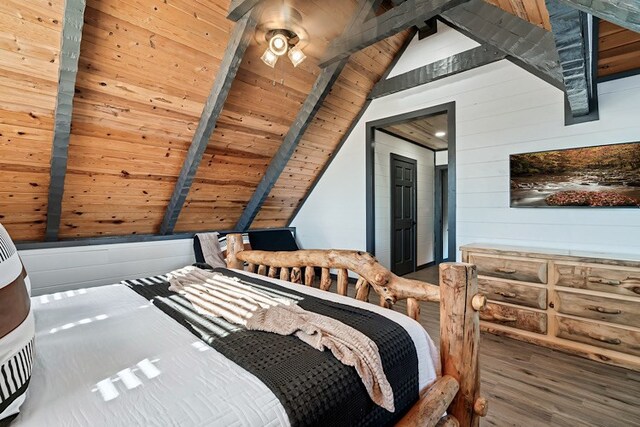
(585, 304)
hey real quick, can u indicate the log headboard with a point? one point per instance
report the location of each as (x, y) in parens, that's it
(458, 391)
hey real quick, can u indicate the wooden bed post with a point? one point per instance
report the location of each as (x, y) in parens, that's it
(235, 244)
(460, 337)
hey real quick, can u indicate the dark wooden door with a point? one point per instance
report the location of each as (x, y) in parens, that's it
(403, 214)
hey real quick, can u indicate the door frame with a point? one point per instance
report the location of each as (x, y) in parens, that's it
(370, 127)
(414, 162)
(438, 220)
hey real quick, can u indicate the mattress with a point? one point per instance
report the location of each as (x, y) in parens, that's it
(100, 361)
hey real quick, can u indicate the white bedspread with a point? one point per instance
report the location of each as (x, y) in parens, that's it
(107, 357)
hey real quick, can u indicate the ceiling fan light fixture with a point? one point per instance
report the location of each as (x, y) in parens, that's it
(296, 55)
(278, 44)
(269, 58)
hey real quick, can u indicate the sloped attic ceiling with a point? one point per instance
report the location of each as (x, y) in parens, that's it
(146, 68)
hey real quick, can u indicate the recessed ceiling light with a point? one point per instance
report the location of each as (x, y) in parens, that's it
(440, 134)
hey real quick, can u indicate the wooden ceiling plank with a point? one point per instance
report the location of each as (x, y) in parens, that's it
(239, 41)
(408, 14)
(312, 104)
(532, 47)
(455, 64)
(625, 13)
(72, 23)
(567, 28)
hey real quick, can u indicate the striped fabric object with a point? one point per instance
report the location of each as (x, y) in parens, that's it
(17, 329)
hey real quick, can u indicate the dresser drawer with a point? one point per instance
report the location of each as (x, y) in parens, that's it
(600, 335)
(613, 279)
(513, 292)
(526, 270)
(599, 308)
(519, 318)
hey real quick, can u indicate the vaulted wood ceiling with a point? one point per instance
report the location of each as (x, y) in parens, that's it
(146, 68)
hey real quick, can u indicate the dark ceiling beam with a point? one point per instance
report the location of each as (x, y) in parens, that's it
(312, 104)
(401, 17)
(352, 126)
(437, 70)
(625, 13)
(527, 45)
(567, 28)
(240, 38)
(239, 8)
(72, 24)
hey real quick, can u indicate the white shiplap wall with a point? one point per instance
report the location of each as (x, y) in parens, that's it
(500, 109)
(54, 270)
(385, 145)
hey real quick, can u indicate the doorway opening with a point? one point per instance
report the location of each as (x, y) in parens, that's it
(414, 224)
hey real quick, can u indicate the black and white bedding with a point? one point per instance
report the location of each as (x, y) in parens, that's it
(137, 354)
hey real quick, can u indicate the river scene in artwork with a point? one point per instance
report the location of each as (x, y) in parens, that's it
(604, 176)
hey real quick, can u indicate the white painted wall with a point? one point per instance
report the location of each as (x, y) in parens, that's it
(385, 145)
(442, 157)
(53, 270)
(500, 109)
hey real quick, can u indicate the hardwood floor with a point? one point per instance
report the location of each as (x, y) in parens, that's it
(532, 386)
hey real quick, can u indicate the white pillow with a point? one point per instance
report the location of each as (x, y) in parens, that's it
(17, 329)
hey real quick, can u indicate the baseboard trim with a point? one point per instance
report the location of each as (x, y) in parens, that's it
(427, 265)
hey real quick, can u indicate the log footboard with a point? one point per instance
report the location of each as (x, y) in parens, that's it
(458, 390)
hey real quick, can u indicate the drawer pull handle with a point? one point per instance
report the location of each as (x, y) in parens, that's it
(505, 270)
(602, 280)
(508, 294)
(605, 310)
(614, 341)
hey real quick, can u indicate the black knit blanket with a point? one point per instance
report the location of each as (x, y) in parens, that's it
(313, 386)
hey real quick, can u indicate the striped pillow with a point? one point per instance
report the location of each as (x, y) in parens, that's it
(17, 328)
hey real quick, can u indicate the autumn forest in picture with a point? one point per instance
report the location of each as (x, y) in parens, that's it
(603, 176)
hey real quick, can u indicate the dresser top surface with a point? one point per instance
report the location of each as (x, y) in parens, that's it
(567, 254)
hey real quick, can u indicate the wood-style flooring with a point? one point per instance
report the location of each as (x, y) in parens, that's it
(533, 386)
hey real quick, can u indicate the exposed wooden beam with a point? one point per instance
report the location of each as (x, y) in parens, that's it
(355, 121)
(240, 38)
(526, 44)
(625, 13)
(72, 24)
(312, 104)
(239, 8)
(567, 28)
(407, 14)
(437, 70)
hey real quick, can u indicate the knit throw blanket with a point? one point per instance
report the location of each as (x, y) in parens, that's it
(219, 296)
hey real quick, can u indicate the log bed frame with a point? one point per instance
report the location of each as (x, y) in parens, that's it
(458, 390)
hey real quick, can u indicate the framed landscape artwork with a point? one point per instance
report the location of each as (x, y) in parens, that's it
(602, 176)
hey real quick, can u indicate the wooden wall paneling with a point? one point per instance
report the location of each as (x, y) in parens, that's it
(145, 72)
(534, 11)
(30, 33)
(618, 49)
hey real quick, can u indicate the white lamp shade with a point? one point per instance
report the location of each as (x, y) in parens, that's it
(269, 58)
(296, 56)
